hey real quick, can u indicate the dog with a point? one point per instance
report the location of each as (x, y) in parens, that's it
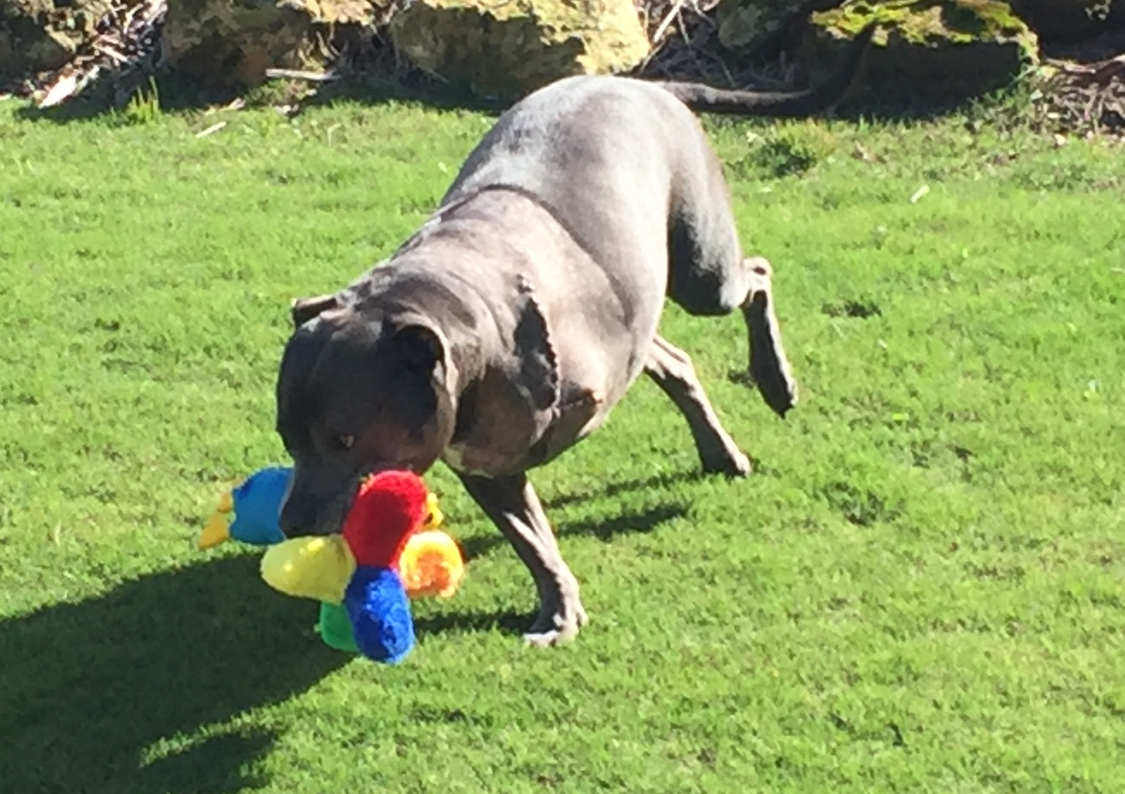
(511, 323)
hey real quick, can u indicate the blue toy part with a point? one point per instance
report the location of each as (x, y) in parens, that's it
(257, 506)
(379, 609)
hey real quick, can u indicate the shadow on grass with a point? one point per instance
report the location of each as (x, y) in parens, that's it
(511, 622)
(180, 94)
(627, 486)
(506, 621)
(640, 521)
(110, 694)
(603, 529)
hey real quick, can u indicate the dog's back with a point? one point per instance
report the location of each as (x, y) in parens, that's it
(617, 162)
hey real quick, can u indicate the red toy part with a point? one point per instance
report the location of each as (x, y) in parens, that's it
(389, 507)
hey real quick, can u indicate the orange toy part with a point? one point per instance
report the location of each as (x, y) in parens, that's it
(431, 564)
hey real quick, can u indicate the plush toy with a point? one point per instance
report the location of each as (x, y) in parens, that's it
(389, 552)
(255, 504)
(430, 563)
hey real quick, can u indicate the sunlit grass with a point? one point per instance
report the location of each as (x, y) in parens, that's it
(921, 589)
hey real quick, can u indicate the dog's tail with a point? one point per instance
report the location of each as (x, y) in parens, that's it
(700, 97)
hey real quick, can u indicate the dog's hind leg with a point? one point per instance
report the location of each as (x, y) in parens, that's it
(769, 366)
(514, 507)
(671, 369)
(709, 276)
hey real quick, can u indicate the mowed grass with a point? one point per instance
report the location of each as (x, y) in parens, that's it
(921, 589)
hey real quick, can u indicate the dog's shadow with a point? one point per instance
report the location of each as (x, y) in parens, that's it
(132, 691)
(604, 529)
(511, 622)
(643, 520)
(615, 487)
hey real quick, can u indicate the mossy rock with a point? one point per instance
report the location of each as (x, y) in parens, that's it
(928, 51)
(230, 43)
(509, 49)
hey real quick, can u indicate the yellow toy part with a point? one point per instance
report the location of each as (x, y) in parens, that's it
(317, 568)
(431, 564)
(217, 530)
(434, 516)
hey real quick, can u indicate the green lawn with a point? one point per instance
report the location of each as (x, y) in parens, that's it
(922, 588)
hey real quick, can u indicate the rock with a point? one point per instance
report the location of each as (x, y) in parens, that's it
(508, 49)
(1068, 19)
(746, 24)
(36, 36)
(225, 43)
(929, 51)
(33, 51)
(750, 24)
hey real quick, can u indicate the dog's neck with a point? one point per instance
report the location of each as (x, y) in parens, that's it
(478, 314)
(458, 315)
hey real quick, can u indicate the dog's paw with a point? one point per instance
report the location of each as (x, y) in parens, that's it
(730, 461)
(552, 638)
(557, 627)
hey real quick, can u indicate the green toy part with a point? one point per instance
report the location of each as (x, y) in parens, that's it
(335, 628)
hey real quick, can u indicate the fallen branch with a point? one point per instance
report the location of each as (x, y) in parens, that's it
(211, 130)
(297, 74)
(61, 91)
(667, 21)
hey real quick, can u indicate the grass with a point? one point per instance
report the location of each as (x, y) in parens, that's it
(922, 588)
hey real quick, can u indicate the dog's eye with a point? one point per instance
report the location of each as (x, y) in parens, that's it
(346, 440)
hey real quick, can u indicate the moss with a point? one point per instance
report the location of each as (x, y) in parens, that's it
(930, 22)
(931, 52)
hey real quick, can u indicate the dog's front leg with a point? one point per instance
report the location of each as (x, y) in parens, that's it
(514, 507)
(671, 369)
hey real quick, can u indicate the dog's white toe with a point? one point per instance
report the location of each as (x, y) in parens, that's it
(552, 638)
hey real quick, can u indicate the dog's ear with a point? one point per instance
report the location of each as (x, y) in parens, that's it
(421, 394)
(768, 365)
(421, 350)
(304, 309)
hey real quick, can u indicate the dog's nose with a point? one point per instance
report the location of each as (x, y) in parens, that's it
(297, 518)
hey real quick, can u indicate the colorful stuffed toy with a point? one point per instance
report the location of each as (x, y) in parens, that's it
(389, 552)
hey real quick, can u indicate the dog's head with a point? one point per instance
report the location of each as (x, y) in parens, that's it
(358, 391)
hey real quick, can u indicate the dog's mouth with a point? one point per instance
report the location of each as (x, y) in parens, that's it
(366, 473)
(372, 469)
(305, 514)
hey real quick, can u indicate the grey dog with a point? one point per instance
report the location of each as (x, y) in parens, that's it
(506, 329)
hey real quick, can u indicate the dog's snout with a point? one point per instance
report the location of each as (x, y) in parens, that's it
(298, 517)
